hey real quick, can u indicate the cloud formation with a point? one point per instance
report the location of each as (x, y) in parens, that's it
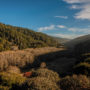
(51, 27)
(61, 26)
(64, 17)
(69, 36)
(83, 5)
(80, 30)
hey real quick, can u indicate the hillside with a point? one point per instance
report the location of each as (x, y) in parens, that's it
(72, 43)
(83, 47)
(61, 40)
(23, 38)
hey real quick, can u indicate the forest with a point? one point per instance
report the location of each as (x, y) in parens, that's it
(11, 36)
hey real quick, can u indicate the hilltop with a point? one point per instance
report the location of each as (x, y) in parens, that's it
(72, 43)
(23, 38)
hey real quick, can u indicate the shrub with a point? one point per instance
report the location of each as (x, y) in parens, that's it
(39, 83)
(13, 69)
(87, 60)
(82, 68)
(51, 75)
(84, 81)
(4, 88)
(27, 74)
(74, 82)
(24, 58)
(43, 65)
(9, 79)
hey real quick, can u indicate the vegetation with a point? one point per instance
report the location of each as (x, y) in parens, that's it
(36, 68)
(10, 79)
(53, 76)
(23, 38)
(75, 83)
(39, 83)
(23, 58)
(83, 65)
(13, 69)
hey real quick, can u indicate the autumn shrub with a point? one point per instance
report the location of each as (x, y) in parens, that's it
(10, 79)
(74, 82)
(27, 74)
(44, 72)
(39, 83)
(13, 69)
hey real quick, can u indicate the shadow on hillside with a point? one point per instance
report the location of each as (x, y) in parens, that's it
(49, 58)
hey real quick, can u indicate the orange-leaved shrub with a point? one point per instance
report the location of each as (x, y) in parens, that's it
(27, 74)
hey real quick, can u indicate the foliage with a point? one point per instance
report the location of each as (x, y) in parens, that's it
(13, 69)
(23, 38)
(74, 82)
(39, 83)
(4, 87)
(43, 65)
(83, 65)
(43, 72)
(24, 58)
(10, 79)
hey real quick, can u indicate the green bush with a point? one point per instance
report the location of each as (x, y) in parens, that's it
(10, 79)
(51, 75)
(87, 60)
(83, 68)
(39, 83)
(4, 88)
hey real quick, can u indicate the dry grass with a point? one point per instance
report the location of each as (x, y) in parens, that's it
(44, 72)
(21, 58)
(39, 83)
(75, 82)
(13, 69)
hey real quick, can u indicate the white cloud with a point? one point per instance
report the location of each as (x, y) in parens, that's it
(51, 27)
(64, 17)
(76, 1)
(69, 36)
(73, 32)
(80, 30)
(76, 7)
(83, 5)
(84, 13)
(61, 26)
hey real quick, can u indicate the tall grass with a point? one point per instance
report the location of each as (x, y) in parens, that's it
(21, 58)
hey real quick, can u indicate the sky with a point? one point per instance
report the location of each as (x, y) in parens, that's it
(59, 18)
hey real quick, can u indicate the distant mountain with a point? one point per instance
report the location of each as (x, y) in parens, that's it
(80, 40)
(23, 38)
(61, 40)
(83, 47)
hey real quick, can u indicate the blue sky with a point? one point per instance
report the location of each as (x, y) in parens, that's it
(60, 18)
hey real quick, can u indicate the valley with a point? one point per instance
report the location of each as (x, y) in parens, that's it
(28, 57)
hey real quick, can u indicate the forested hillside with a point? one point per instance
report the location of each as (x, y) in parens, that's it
(79, 40)
(23, 38)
